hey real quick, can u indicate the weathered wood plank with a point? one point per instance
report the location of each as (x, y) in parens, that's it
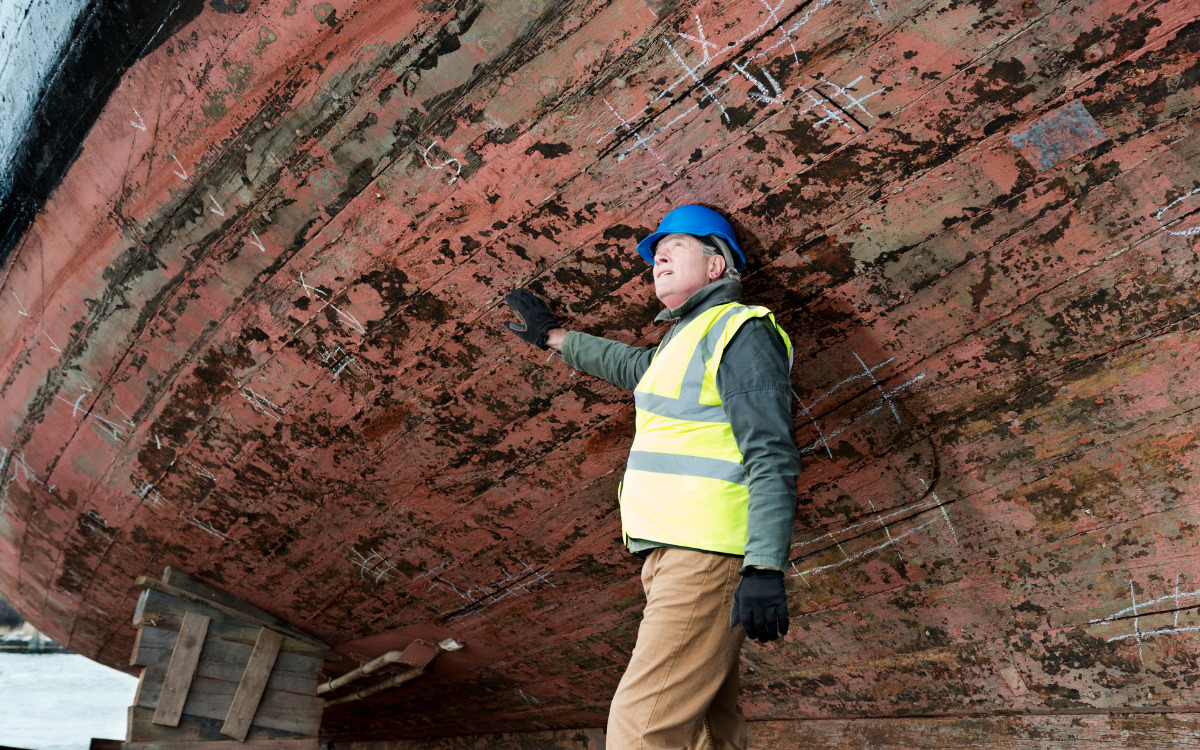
(211, 699)
(233, 612)
(180, 580)
(253, 683)
(177, 681)
(158, 609)
(141, 728)
(226, 660)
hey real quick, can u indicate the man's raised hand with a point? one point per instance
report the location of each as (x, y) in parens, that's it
(536, 318)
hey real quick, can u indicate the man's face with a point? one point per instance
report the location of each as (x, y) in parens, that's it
(681, 270)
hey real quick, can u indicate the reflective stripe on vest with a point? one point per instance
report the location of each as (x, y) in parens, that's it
(684, 482)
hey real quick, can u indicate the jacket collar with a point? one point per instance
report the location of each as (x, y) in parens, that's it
(716, 293)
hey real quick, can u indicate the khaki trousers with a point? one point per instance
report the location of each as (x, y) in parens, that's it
(680, 690)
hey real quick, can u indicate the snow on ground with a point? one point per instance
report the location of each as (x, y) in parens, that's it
(61, 701)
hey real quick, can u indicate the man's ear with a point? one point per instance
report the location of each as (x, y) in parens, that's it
(715, 269)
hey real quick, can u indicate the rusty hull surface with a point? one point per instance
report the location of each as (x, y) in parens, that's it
(255, 334)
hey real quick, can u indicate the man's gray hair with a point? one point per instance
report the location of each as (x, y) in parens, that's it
(716, 245)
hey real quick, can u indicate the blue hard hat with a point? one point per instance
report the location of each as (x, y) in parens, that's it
(696, 220)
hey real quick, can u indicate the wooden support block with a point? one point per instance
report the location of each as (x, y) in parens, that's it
(158, 609)
(252, 685)
(210, 658)
(211, 699)
(178, 680)
(226, 660)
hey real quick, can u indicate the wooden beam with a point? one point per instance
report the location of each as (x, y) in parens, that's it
(181, 670)
(146, 582)
(226, 660)
(179, 579)
(158, 609)
(141, 728)
(254, 682)
(211, 699)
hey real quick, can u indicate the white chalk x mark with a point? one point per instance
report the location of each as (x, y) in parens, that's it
(17, 461)
(885, 400)
(475, 599)
(1138, 608)
(1122, 613)
(853, 102)
(690, 72)
(368, 565)
(702, 41)
(871, 375)
(1176, 600)
(891, 541)
(945, 515)
(261, 403)
(208, 528)
(346, 317)
(1136, 632)
(199, 469)
(107, 427)
(886, 530)
(773, 14)
(338, 360)
(150, 495)
(639, 138)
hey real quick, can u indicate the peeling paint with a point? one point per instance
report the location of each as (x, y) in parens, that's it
(256, 334)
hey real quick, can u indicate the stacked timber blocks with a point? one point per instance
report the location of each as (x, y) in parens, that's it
(219, 673)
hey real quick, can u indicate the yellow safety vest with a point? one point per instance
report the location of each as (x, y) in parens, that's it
(684, 483)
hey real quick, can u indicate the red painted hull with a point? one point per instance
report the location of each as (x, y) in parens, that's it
(255, 334)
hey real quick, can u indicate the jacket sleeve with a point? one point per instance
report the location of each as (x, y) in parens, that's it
(755, 386)
(620, 364)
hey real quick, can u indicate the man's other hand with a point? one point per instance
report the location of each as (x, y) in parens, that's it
(760, 604)
(536, 318)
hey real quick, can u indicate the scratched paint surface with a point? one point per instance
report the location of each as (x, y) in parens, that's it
(255, 334)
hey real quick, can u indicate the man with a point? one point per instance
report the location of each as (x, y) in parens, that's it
(709, 493)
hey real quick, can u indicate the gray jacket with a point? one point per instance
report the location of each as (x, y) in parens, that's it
(755, 388)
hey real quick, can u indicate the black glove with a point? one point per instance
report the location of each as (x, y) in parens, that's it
(536, 318)
(761, 605)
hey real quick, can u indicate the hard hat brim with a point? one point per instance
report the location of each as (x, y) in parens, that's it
(645, 248)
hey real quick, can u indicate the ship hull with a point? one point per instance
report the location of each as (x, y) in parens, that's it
(255, 333)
